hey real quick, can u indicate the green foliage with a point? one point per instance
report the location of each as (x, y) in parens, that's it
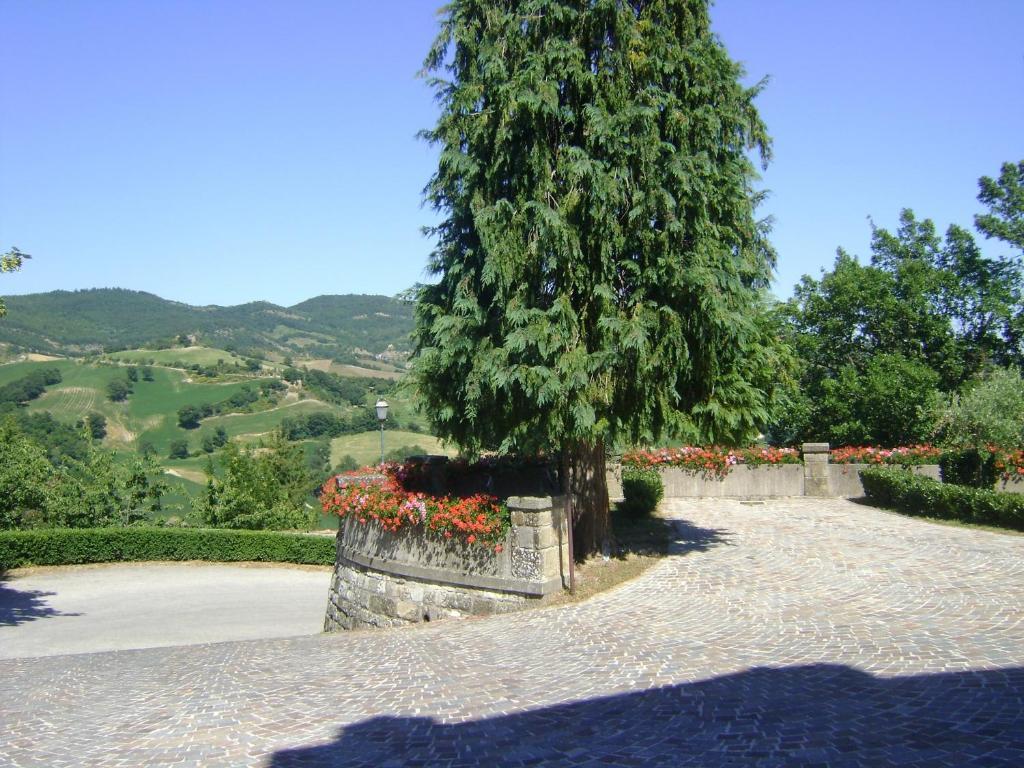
(991, 412)
(60, 441)
(926, 315)
(24, 476)
(68, 547)
(178, 449)
(78, 493)
(262, 488)
(96, 423)
(324, 424)
(11, 262)
(212, 441)
(969, 467)
(101, 492)
(891, 401)
(1004, 197)
(344, 390)
(345, 464)
(905, 492)
(642, 489)
(118, 390)
(403, 452)
(599, 260)
(28, 387)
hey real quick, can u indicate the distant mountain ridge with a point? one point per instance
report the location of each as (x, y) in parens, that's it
(106, 319)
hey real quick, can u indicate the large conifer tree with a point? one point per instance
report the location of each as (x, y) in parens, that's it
(599, 262)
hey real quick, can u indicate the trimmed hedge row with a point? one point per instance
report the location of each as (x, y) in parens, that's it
(71, 546)
(915, 495)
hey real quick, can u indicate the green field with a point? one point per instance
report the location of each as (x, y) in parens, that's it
(365, 447)
(150, 413)
(187, 355)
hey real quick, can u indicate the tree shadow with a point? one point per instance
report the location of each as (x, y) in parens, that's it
(20, 606)
(687, 537)
(655, 536)
(821, 715)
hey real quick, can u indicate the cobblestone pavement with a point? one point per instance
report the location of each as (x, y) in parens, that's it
(797, 632)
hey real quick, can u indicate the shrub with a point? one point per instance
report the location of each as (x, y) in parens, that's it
(970, 467)
(103, 545)
(903, 491)
(642, 489)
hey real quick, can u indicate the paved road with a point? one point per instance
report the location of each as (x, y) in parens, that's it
(53, 611)
(796, 633)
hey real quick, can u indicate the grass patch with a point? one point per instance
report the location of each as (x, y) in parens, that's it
(642, 542)
(206, 356)
(365, 446)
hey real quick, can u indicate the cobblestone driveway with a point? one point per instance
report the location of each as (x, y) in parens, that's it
(797, 632)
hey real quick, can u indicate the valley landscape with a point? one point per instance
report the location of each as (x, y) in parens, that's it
(315, 368)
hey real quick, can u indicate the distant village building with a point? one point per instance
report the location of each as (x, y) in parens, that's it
(391, 355)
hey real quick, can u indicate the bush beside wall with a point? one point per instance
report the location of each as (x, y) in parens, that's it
(72, 546)
(969, 467)
(914, 495)
(642, 489)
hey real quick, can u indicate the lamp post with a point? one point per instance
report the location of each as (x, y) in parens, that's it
(382, 416)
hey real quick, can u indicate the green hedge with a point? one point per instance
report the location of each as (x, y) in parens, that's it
(69, 546)
(970, 467)
(642, 489)
(905, 492)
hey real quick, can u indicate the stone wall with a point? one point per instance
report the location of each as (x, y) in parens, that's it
(844, 479)
(815, 476)
(741, 482)
(384, 579)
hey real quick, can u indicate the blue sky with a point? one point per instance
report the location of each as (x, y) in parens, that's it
(222, 152)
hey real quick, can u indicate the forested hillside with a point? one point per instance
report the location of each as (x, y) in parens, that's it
(109, 319)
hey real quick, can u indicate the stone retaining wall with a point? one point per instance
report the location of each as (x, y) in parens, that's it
(384, 579)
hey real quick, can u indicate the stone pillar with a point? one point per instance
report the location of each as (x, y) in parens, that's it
(816, 469)
(539, 541)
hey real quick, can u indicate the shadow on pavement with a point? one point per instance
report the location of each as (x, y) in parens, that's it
(19, 606)
(687, 537)
(821, 715)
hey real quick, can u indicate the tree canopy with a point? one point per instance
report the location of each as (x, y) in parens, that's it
(599, 263)
(878, 343)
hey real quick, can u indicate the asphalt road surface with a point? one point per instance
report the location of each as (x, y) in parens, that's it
(86, 609)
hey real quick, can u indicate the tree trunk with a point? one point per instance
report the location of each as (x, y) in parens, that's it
(586, 497)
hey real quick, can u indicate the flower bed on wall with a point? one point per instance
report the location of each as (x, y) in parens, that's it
(712, 461)
(378, 494)
(909, 455)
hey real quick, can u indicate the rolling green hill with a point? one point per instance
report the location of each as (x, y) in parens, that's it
(109, 319)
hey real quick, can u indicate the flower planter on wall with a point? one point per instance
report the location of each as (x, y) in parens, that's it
(385, 579)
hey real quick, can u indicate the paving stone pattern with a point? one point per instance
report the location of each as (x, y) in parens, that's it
(798, 632)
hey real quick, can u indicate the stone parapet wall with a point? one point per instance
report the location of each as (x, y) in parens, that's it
(385, 579)
(741, 482)
(815, 476)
